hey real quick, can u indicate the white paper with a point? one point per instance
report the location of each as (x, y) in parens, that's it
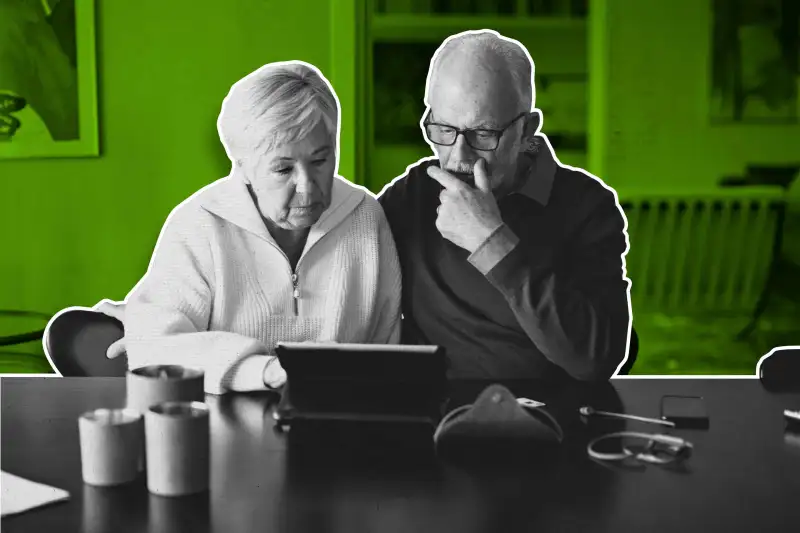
(18, 495)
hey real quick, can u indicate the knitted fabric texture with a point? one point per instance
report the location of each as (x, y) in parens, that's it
(219, 292)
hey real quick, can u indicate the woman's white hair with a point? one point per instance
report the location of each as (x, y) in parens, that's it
(489, 47)
(277, 104)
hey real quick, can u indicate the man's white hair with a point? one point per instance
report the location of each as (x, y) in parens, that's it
(491, 49)
(277, 104)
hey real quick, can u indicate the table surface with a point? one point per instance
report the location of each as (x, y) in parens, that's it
(744, 474)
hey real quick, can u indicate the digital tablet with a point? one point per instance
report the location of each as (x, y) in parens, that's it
(362, 382)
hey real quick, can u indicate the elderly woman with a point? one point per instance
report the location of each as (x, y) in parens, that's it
(283, 249)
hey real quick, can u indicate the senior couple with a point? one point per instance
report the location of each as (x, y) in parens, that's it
(510, 261)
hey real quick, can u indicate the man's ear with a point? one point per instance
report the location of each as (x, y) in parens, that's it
(532, 122)
(529, 140)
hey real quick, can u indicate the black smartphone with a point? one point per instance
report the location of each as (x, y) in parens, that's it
(685, 411)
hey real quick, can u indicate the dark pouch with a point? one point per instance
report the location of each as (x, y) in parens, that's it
(497, 417)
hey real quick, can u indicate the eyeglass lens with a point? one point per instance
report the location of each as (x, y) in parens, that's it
(478, 139)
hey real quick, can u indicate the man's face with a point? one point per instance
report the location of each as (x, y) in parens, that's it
(465, 95)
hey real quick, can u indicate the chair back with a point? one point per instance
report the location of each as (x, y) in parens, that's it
(77, 341)
(633, 352)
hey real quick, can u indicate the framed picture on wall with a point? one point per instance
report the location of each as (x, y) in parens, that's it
(755, 61)
(48, 84)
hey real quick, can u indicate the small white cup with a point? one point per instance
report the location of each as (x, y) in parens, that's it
(112, 446)
(177, 448)
(150, 385)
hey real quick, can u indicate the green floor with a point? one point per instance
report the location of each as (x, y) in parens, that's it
(25, 358)
(686, 344)
(706, 344)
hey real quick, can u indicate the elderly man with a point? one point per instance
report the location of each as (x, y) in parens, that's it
(512, 262)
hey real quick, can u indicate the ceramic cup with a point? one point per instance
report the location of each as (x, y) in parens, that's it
(177, 448)
(150, 385)
(112, 446)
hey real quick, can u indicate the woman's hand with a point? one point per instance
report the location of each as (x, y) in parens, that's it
(114, 310)
(274, 376)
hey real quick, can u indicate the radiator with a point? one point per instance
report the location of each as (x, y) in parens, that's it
(709, 251)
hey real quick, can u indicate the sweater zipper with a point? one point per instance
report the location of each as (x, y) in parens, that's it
(296, 283)
(295, 292)
(295, 279)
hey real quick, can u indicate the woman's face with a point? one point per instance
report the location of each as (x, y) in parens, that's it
(292, 183)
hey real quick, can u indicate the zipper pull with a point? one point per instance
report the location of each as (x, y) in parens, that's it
(295, 292)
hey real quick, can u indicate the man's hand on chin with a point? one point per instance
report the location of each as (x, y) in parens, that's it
(467, 216)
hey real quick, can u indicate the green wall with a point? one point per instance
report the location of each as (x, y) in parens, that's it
(78, 230)
(654, 127)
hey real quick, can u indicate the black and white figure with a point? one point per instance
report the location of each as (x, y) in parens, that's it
(511, 261)
(283, 249)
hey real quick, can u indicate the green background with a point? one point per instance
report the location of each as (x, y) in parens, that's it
(76, 230)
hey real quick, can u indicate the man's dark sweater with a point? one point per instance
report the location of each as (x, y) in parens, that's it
(543, 297)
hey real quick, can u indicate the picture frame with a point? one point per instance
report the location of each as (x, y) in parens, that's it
(48, 92)
(755, 64)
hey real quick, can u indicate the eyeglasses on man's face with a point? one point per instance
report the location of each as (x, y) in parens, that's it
(482, 139)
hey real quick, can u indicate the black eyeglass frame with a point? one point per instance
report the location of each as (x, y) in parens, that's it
(498, 134)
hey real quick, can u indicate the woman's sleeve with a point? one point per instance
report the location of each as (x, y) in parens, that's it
(167, 314)
(387, 320)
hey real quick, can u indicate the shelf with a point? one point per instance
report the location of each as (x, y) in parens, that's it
(416, 28)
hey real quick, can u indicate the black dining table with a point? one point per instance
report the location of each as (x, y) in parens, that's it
(743, 474)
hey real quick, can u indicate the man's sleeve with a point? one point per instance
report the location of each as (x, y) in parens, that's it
(574, 308)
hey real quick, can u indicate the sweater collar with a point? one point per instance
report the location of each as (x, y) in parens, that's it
(539, 182)
(230, 199)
